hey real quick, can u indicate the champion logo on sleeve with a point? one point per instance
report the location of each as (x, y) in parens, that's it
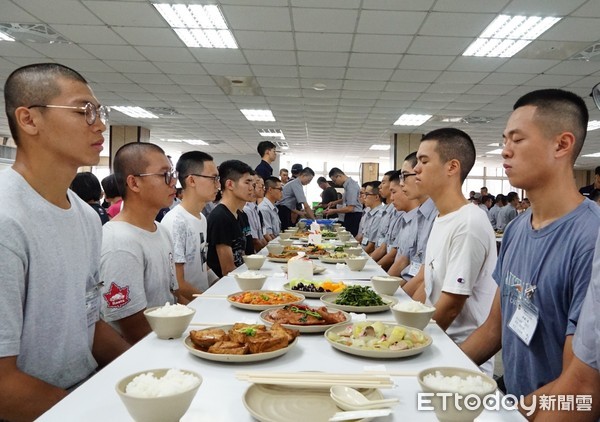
(460, 280)
(117, 296)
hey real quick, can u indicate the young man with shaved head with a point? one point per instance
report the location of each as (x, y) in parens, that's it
(137, 253)
(51, 338)
(545, 261)
(461, 249)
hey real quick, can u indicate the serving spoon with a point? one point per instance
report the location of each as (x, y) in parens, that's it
(348, 398)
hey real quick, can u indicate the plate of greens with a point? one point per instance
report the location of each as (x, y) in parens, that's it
(359, 299)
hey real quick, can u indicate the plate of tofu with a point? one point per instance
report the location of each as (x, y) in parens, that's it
(239, 343)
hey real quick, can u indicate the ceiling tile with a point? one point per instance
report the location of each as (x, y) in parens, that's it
(257, 18)
(323, 42)
(574, 29)
(156, 37)
(477, 64)
(263, 40)
(322, 72)
(456, 24)
(369, 74)
(167, 54)
(113, 52)
(470, 6)
(443, 46)
(461, 77)
(316, 58)
(122, 13)
(180, 68)
(58, 11)
(272, 57)
(421, 62)
(378, 61)
(218, 55)
(89, 34)
(324, 20)
(132, 66)
(381, 43)
(364, 85)
(278, 71)
(388, 22)
(542, 7)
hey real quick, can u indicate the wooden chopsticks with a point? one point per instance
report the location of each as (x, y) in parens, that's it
(317, 379)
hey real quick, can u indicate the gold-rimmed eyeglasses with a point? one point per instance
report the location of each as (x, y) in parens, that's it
(168, 175)
(91, 111)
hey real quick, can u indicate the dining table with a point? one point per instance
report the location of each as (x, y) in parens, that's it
(221, 394)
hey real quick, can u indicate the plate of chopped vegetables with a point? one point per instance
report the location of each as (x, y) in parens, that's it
(259, 300)
(376, 339)
(359, 299)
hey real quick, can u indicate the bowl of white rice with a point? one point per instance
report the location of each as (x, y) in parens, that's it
(471, 385)
(158, 395)
(169, 321)
(412, 313)
(254, 262)
(250, 280)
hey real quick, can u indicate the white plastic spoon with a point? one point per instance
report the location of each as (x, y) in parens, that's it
(348, 398)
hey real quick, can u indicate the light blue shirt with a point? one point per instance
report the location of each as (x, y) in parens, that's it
(293, 194)
(270, 217)
(350, 196)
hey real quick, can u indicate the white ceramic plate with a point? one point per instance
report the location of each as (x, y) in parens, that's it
(304, 328)
(378, 354)
(311, 295)
(329, 298)
(262, 307)
(217, 357)
(328, 260)
(280, 403)
(285, 260)
(317, 269)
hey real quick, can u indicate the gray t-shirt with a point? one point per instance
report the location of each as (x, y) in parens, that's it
(50, 259)
(350, 196)
(137, 269)
(293, 194)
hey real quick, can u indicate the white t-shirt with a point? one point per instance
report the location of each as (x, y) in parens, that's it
(460, 259)
(137, 269)
(189, 244)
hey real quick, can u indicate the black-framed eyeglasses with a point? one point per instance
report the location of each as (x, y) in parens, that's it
(168, 175)
(404, 176)
(91, 111)
(215, 179)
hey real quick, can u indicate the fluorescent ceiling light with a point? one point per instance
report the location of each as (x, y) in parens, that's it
(593, 125)
(379, 147)
(198, 25)
(594, 155)
(495, 151)
(412, 119)
(195, 141)
(136, 112)
(507, 35)
(273, 133)
(5, 37)
(258, 115)
(495, 144)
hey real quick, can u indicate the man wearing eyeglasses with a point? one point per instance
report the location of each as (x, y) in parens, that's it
(137, 253)
(51, 337)
(199, 179)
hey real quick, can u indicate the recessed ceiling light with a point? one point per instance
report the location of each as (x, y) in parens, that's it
(258, 115)
(495, 151)
(272, 133)
(379, 147)
(319, 87)
(593, 125)
(197, 25)
(494, 144)
(594, 155)
(507, 35)
(412, 119)
(194, 141)
(136, 112)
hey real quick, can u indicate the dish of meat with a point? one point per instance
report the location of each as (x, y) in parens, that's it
(241, 342)
(303, 318)
(259, 300)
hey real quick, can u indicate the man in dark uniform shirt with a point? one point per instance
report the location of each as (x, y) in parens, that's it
(268, 154)
(587, 190)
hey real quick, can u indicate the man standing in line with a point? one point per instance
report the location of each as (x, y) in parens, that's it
(545, 261)
(293, 196)
(226, 241)
(508, 212)
(51, 337)
(352, 208)
(268, 210)
(199, 179)
(461, 249)
(136, 264)
(268, 154)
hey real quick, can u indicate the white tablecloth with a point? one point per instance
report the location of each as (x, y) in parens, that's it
(220, 396)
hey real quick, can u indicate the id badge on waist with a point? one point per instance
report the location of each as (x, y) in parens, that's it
(525, 320)
(414, 268)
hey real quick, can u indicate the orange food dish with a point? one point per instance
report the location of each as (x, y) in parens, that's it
(264, 298)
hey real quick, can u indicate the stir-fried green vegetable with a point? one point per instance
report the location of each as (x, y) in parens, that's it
(359, 296)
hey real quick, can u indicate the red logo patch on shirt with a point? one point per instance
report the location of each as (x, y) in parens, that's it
(117, 297)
